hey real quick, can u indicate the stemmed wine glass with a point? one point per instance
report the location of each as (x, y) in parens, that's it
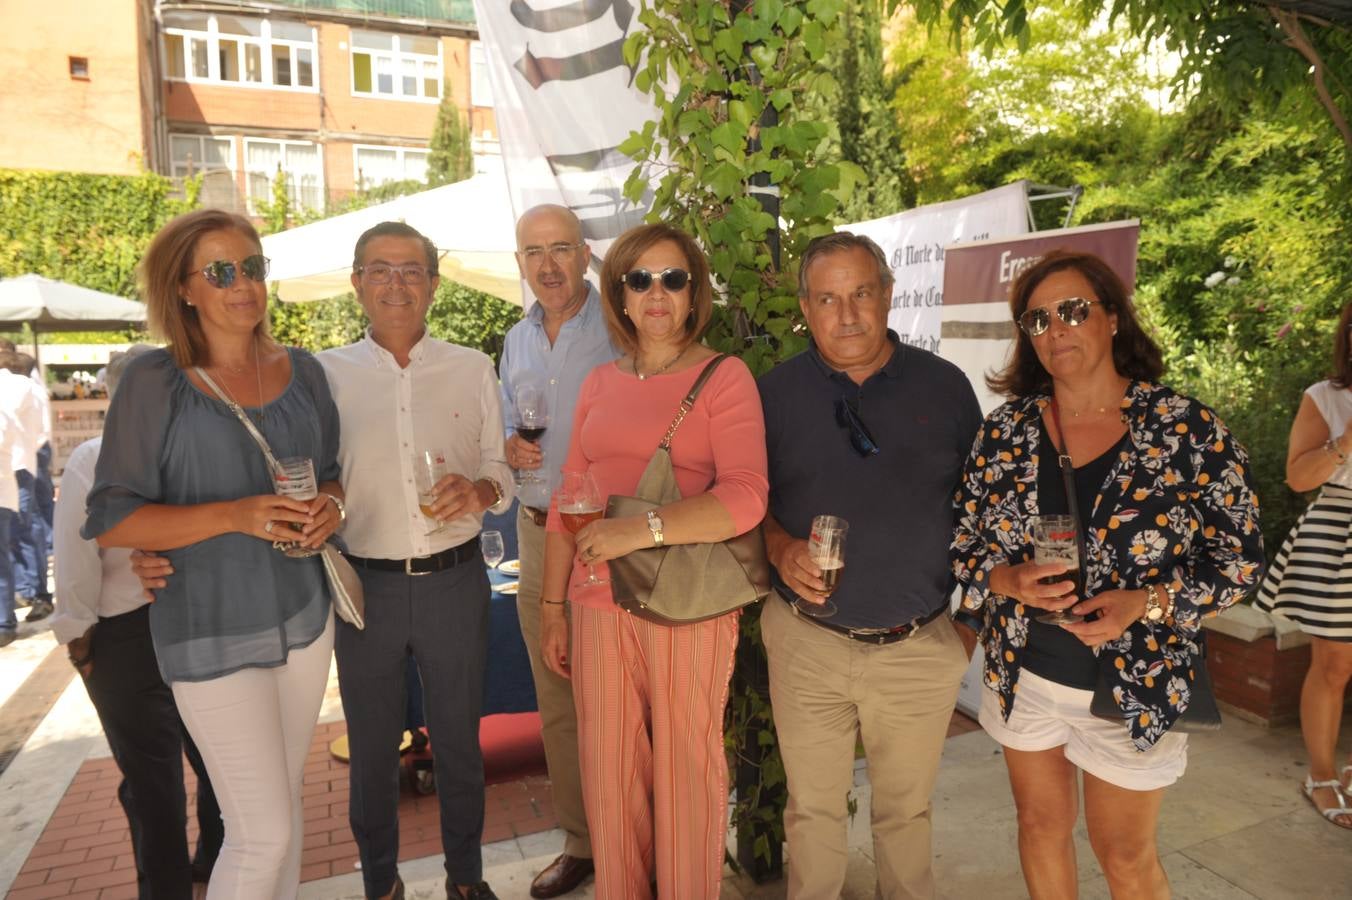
(295, 478)
(826, 549)
(429, 467)
(490, 544)
(1054, 542)
(580, 503)
(532, 418)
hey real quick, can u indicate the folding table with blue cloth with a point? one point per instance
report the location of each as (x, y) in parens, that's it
(508, 687)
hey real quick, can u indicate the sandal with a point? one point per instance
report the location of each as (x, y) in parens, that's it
(1346, 779)
(1333, 813)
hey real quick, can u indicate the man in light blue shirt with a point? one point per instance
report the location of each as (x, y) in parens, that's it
(549, 352)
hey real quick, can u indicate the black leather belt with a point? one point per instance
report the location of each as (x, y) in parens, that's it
(423, 565)
(538, 516)
(871, 635)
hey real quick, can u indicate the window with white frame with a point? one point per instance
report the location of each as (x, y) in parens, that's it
(405, 66)
(480, 88)
(300, 161)
(193, 154)
(238, 50)
(375, 166)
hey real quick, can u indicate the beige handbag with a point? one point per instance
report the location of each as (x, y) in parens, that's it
(683, 583)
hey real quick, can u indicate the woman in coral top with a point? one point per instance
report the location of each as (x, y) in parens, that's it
(650, 697)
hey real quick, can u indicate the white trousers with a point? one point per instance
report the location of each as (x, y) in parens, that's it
(254, 728)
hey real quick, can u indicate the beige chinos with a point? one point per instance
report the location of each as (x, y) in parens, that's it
(898, 698)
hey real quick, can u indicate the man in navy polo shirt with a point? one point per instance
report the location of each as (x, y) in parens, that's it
(863, 427)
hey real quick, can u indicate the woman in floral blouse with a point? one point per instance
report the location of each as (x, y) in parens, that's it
(1172, 536)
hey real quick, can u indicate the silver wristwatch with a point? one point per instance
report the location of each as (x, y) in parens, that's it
(655, 526)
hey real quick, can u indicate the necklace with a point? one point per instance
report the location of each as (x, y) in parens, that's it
(258, 372)
(660, 369)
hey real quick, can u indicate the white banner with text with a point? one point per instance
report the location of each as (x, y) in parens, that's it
(564, 100)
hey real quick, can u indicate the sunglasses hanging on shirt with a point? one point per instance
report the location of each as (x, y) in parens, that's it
(640, 281)
(1073, 312)
(860, 438)
(223, 272)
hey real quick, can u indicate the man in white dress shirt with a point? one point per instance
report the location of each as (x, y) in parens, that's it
(103, 618)
(401, 393)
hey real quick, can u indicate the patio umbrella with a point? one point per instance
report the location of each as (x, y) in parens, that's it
(48, 305)
(470, 221)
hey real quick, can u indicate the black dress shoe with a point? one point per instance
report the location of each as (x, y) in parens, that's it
(480, 891)
(563, 876)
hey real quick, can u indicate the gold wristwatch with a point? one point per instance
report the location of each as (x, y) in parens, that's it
(1154, 609)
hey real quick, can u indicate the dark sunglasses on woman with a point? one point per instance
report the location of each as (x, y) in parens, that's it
(1073, 312)
(641, 280)
(223, 272)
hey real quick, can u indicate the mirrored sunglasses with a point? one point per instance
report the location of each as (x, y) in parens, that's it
(860, 438)
(1073, 312)
(641, 280)
(223, 272)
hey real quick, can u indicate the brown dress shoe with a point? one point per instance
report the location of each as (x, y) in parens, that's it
(564, 875)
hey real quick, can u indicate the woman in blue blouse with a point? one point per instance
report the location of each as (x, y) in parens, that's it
(1172, 536)
(242, 632)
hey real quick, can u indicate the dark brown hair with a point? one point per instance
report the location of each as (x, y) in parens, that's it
(620, 258)
(1342, 350)
(1135, 355)
(162, 271)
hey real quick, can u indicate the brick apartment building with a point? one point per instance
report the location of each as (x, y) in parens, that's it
(340, 95)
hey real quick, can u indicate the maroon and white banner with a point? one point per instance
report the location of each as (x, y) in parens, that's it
(564, 100)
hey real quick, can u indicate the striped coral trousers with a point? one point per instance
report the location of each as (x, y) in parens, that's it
(650, 701)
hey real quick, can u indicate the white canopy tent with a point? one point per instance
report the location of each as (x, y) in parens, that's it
(48, 305)
(470, 221)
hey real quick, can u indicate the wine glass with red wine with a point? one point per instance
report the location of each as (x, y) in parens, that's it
(580, 503)
(532, 418)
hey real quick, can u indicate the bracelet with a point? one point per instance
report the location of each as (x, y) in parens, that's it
(1172, 593)
(497, 491)
(553, 602)
(341, 506)
(1331, 447)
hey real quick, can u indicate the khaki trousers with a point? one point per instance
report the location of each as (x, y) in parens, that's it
(553, 695)
(898, 698)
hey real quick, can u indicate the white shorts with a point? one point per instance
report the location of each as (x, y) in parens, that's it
(1047, 715)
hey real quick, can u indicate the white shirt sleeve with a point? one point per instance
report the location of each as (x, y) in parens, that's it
(79, 568)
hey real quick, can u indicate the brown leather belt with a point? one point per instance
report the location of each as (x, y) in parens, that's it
(423, 565)
(538, 516)
(870, 635)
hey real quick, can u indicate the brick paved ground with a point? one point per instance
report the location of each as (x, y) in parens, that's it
(85, 850)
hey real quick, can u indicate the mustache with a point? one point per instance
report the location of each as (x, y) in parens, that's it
(851, 330)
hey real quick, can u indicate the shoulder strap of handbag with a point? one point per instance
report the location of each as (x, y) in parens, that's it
(1068, 479)
(248, 424)
(689, 402)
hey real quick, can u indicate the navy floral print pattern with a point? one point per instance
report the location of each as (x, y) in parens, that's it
(1177, 508)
